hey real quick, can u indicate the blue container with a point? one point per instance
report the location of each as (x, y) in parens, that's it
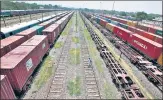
(98, 20)
(114, 22)
(39, 29)
(123, 25)
(108, 20)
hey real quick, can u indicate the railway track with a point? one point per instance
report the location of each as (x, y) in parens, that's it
(58, 86)
(91, 84)
(14, 20)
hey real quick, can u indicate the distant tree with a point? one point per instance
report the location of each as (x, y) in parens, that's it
(141, 16)
(123, 13)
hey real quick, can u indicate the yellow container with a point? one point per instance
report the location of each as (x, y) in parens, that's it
(159, 60)
(109, 27)
(131, 23)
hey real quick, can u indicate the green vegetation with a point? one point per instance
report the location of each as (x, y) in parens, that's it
(106, 90)
(58, 44)
(74, 86)
(12, 5)
(45, 72)
(74, 56)
(141, 16)
(92, 48)
(75, 39)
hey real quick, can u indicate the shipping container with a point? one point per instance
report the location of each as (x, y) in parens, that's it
(110, 27)
(11, 43)
(19, 64)
(145, 28)
(146, 46)
(160, 60)
(158, 39)
(108, 20)
(123, 25)
(6, 89)
(152, 30)
(132, 29)
(39, 29)
(28, 33)
(159, 32)
(103, 22)
(130, 23)
(98, 20)
(114, 22)
(122, 33)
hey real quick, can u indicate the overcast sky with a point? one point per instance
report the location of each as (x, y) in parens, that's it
(129, 6)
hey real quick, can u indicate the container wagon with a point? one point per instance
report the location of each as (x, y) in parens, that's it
(10, 43)
(6, 89)
(26, 58)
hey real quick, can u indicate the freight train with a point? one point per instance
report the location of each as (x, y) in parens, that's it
(10, 13)
(152, 72)
(12, 30)
(150, 49)
(123, 82)
(147, 28)
(27, 50)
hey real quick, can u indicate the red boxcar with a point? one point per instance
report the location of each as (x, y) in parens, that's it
(103, 22)
(28, 33)
(148, 47)
(20, 63)
(60, 23)
(10, 43)
(143, 27)
(46, 24)
(152, 30)
(122, 33)
(149, 35)
(132, 29)
(121, 20)
(41, 42)
(56, 29)
(6, 89)
(51, 33)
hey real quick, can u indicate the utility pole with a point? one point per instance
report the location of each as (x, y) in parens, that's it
(19, 13)
(76, 21)
(112, 8)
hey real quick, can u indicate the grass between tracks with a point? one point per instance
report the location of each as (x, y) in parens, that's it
(58, 44)
(74, 56)
(92, 48)
(75, 39)
(74, 86)
(45, 72)
(123, 63)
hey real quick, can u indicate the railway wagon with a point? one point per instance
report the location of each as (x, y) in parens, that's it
(130, 23)
(12, 30)
(110, 26)
(10, 43)
(27, 33)
(6, 91)
(160, 60)
(148, 47)
(103, 22)
(132, 94)
(38, 28)
(51, 33)
(154, 30)
(122, 33)
(25, 58)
